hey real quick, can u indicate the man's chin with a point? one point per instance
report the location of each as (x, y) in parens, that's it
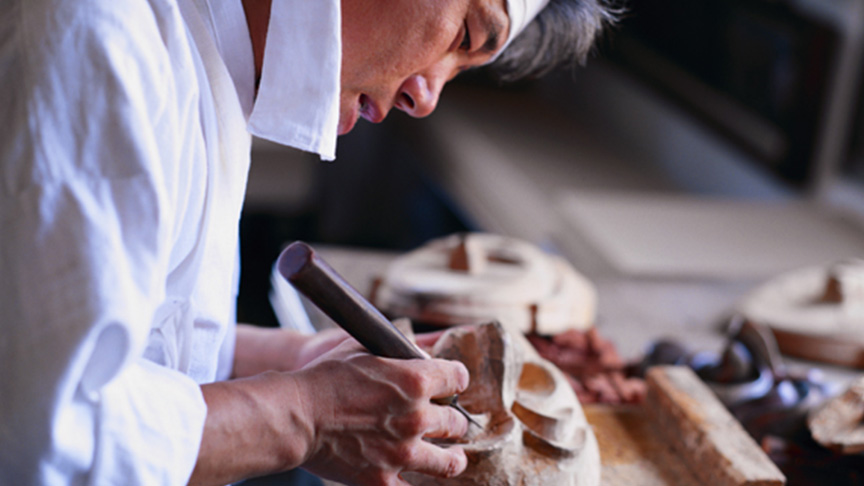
(347, 122)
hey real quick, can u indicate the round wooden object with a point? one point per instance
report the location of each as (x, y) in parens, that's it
(806, 317)
(839, 423)
(476, 277)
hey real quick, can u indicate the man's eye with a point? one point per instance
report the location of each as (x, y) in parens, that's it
(466, 38)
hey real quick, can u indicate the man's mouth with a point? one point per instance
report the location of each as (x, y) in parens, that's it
(369, 111)
(365, 108)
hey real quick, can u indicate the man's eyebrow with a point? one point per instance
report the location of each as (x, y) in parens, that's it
(493, 32)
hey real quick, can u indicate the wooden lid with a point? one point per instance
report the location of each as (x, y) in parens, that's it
(815, 312)
(467, 278)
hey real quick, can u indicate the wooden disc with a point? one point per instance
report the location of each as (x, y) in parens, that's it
(468, 278)
(805, 322)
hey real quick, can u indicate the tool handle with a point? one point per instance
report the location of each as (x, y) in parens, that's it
(315, 279)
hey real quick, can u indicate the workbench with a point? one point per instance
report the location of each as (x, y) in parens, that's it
(632, 312)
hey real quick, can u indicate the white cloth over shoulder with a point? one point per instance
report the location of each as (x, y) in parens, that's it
(123, 162)
(300, 107)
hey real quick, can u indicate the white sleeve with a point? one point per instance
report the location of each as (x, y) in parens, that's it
(78, 298)
(225, 364)
(85, 237)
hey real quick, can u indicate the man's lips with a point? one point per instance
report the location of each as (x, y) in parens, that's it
(347, 121)
(365, 108)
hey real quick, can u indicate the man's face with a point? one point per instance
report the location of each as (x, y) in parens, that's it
(400, 53)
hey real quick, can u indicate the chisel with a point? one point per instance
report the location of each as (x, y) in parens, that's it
(314, 278)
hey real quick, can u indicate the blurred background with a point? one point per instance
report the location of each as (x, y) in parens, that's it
(718, 140)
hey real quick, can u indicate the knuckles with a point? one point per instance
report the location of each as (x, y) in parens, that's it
(463, 375)
(380, 478)
(417, 385)
(411, 424)
(422, 379)
(406, 453)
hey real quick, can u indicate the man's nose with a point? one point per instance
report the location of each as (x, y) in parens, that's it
(418, 95)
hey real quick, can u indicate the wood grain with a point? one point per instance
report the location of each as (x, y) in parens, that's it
(681, 436)
(709, 440)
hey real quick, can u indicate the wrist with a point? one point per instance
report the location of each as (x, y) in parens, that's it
(254, 426)
(286, 409)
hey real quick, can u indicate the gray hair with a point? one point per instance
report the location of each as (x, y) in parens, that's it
(562, 33)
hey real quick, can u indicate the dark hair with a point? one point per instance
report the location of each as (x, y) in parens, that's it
(562, 33)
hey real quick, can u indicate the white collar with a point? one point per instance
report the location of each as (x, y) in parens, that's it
(227, 21)
(298, 96)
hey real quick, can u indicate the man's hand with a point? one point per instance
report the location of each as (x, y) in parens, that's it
(371, 414)
(346, 415)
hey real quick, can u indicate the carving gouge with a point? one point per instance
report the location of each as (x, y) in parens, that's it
(315, 279)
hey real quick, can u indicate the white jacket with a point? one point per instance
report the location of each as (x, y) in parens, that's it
(124, 152)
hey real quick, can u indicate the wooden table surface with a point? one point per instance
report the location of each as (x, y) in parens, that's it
(632, 313)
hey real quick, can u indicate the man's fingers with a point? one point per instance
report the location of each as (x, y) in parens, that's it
(447, 423)
(437, 461)
(440, 378)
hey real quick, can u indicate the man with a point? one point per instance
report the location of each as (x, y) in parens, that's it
(125, 150)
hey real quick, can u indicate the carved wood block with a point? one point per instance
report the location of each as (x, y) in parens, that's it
(534, 430)
(701, 430)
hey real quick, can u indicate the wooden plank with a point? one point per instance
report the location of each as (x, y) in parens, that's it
(715, 447)
(631, 452)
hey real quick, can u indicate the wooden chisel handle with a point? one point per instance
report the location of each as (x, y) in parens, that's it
(315, 279)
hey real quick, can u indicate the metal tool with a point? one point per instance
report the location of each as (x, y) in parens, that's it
(315, 279)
